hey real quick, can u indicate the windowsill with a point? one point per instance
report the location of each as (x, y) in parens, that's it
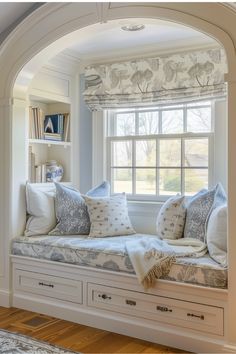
(141, 207)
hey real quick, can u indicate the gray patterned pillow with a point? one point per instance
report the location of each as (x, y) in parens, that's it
(171, 218)
(71, 210)
(109, 216)
(199, 209)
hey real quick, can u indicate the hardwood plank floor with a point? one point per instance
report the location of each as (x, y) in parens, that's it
(74, 336)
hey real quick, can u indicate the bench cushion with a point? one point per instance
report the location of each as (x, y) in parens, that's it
(110, 254)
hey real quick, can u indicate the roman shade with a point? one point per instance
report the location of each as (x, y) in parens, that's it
(152, 81)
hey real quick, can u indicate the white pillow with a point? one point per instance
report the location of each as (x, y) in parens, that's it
(171, 218)
(217, 235)
(40, 207)
(109, 216)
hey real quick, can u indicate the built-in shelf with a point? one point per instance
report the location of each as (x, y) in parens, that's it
(49, 142)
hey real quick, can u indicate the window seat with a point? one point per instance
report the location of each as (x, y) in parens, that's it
(110, 254)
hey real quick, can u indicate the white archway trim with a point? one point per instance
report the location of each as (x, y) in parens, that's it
(52, 22)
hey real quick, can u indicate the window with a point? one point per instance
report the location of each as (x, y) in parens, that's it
(157, 152)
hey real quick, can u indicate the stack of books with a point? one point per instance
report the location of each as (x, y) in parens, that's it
(56, 127)
(31, 166)
(36, 126)
(40, 173)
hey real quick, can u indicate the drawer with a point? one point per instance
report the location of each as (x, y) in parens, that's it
(204, 318)
(51, 286)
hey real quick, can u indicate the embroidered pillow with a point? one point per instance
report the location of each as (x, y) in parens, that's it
(171, 218)
(109, 216)
(199, 209)
(40, 208)
(217, 235)
(71, 210)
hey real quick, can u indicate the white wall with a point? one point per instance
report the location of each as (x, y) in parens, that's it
(85, 142)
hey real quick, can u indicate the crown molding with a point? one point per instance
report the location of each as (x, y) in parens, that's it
(64, 62)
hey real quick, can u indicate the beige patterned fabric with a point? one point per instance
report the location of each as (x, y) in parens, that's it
(110, 253)
(171, 218)
(109, 216)
(190, 75)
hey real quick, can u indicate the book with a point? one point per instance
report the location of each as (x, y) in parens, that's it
(66, 127)
(36, 118)
(43, 173)
(38, 174)
(53, 124)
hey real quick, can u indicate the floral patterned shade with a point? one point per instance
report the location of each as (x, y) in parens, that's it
(177, 77)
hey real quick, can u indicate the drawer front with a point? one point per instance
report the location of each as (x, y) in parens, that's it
(51, 286)
(208, 319)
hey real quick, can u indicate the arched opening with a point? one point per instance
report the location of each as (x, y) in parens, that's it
(34, 65)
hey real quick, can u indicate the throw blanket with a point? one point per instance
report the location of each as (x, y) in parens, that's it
(152, 257)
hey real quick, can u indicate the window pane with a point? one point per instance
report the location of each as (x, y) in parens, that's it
(125, 124)
(199, 120)
(172, 121)
(122, 180)
(195, 179)
(170, 181)
(196, 152)
(148, 123)
(122, 153)
(145, 181)
(146, 153)
(170, 152)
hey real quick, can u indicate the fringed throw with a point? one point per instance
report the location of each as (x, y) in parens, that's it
(152, 258)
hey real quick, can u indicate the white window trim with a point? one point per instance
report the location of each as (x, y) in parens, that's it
(99, 166)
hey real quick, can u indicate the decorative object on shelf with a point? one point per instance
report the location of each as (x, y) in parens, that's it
(54, 171)
(56, 127)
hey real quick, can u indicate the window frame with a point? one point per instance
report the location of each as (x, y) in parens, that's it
(110, 127)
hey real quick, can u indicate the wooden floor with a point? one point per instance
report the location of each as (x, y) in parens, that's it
(74, 336)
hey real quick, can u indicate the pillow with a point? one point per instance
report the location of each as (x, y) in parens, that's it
(71, 210)
(102, 190)
(171, 218)
(199, 209)
(109, 216)
(40, 207)
(217, 235)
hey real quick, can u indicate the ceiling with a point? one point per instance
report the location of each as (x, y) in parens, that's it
(107, 40)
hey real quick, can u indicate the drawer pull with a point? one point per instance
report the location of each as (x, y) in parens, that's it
(163, 309)
(198, 316)
(130, 302)
(48, 285)
(104, 297)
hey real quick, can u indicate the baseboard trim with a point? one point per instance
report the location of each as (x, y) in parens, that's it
(106, 321)
(5, 298)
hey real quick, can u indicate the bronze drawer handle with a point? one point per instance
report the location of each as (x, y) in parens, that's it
(198, 316)
(163, 309)
(130, 302)
(48, 285)
(104, 297)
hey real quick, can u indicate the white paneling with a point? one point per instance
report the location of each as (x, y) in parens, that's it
(51, 85)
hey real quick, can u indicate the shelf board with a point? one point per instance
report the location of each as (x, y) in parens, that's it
(49, 142)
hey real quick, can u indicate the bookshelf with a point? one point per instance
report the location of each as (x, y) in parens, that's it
(51, 145)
